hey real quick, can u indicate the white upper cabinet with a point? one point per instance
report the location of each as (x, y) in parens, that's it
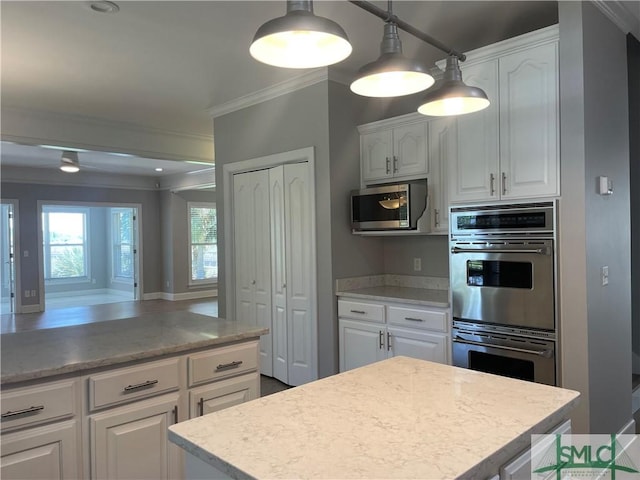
(443, 150)
(529, 122)
(510, 149)
(394, 150)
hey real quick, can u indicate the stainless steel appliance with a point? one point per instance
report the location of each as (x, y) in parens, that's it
(502, 272)
(389, 207)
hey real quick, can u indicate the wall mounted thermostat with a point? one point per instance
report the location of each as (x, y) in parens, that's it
(605, 186)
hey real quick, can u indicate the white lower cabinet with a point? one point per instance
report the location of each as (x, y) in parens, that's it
(112, 423)
(369, 332)
(43, 452)
(131, 441)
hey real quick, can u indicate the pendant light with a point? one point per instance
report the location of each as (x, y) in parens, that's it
(69, 162)
(392, 74)
(300, 39)
(452, 96)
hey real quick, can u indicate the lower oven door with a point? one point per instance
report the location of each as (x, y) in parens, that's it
(524, 358)
(506, 283)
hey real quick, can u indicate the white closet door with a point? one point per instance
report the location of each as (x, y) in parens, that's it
(278, 274)
(300, 287)
(253, 256)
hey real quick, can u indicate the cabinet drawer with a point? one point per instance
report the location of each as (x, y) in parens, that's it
(223, 394)
(39, 404)
(373, 312)
(222, 362)
(126, 384)
(419, 318)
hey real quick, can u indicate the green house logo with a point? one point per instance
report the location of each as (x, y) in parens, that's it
(615, 457)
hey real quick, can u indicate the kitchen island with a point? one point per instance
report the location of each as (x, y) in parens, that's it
(95, 400)
(398, 418)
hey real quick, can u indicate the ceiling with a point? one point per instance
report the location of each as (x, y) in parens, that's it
(165, 64)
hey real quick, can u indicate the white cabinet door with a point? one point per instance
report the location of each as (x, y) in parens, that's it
(529, 122)
(474, 170)
(131, 442)
(376, 150)
(252, 234)
(300, 277)
(410, 150)
(360, 344)
(417, 344)
(223, 394)
(442, 151)
(50, 452)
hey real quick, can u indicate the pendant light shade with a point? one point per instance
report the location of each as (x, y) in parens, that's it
(452, 96)
(69, 162)
(392, 74)
(300, 39)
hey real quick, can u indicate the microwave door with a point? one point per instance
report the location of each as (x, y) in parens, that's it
(380, 211)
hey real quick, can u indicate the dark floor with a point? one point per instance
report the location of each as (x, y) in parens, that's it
(269, 385)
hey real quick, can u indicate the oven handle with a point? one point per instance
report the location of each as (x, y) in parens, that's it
(541, 353)
(540, 251)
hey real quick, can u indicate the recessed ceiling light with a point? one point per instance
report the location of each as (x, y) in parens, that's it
(158, 169)
(104, 6)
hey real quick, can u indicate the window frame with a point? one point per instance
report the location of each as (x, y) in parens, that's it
(190, 244)
(115, 241)
(46, 244)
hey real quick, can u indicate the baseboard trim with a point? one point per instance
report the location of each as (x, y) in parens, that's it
(181, 296)
(30, 309)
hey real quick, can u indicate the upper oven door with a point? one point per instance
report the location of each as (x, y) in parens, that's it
(508, 282)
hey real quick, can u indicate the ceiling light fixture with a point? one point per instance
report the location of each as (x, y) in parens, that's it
(300, 39)
(69, 162)
(104, 6)
(452, 96)
(392, 74)
(158, 169)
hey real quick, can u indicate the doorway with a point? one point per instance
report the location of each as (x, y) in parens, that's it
(8, 258)
(90, 254)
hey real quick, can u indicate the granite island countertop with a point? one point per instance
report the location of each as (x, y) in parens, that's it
(398, 418)
(44, 353)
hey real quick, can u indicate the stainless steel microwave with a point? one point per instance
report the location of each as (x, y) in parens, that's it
(389, 207)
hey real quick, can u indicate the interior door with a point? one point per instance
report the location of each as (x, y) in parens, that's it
(7, 257)
(252, 257)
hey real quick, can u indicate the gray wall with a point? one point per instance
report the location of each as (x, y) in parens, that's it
(432, 250)
(595, 319)
(28, 196)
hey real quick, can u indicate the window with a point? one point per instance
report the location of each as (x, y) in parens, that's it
(203, 234)
(66, 246)
(122, 245)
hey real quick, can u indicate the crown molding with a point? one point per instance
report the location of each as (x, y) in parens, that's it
(620, 15)
(269, 93)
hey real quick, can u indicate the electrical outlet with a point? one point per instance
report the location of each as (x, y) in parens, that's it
(417, 264)
(27, 294)
(33, 293)
(604, 273)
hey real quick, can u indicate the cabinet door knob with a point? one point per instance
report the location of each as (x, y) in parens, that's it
(253, 282)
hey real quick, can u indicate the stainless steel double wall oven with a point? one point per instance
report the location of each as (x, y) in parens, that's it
(502, 270)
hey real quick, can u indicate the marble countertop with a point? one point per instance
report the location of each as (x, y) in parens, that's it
(55, 351)
(386, 293)
(398, 418)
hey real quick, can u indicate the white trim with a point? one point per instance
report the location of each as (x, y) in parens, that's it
(269, 93)
(620, 15)
(181, 296)
(17, 253)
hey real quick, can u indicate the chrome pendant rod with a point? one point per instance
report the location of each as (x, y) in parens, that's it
(378, 12)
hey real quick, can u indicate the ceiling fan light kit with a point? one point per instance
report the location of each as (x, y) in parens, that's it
(301, 39)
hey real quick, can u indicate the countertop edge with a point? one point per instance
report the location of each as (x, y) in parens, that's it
(383, 298)
(7, 380)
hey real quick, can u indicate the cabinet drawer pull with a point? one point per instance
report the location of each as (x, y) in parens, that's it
(414, 319)
(148, 383)
(227, 366)
(10, 414)
(361, 312)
